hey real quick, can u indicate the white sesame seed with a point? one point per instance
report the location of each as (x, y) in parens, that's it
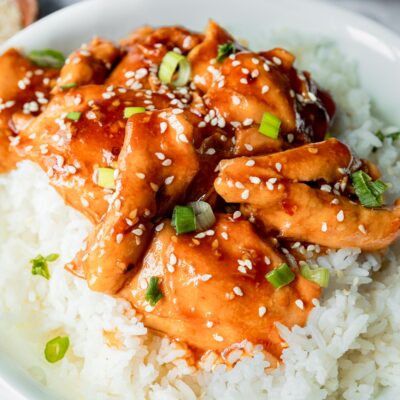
(266, 67)
(140, 175)
(235, 100)
(267, 260)
(277, 60)
(340, 216)
(119, 238)
(160, 156)
(299, 304)
(182, 137)
(255, 179)
(261, 311)
(169, 180)
(159, 227)
(248, 147)
(278, 167)
(206, 277)
(209, 324)
(324, 227)
(326, 188)
(237, 291)
(245, 194)
(335, 201)
(247, 122)
(264, 89)
(163, 127)
(224, 235)
(167, 162)
(218, 338)
(138, 232)
(362, 229)
(250, 163)
(235, 63)
(243, 81)
(236, 215)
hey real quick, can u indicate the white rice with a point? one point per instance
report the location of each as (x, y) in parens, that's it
(349, 349)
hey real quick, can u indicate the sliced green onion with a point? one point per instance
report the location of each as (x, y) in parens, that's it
(56, 348)
(369, 192)
(74, 116)
(280, 276)
(270, 125)
(318, 275)
(204, 214)
(394, 136)
(183, 219)
(68, 86)
(40, 265)
(129, 111)
(105, 178)
(225, 50)
(170, 64)
(153, 292)
(47, 58)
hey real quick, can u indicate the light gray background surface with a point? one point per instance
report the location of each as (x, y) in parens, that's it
(387, 12)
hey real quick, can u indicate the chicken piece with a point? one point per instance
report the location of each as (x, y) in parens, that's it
(270, 190)
(71, 151)
(155, 167)
(214, 288)
(24, 89)
(245, 85)
(145, 51)
(88, 65)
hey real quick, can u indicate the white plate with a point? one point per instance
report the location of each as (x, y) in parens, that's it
(376, 49)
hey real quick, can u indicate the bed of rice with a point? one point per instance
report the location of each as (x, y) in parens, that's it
(350, 348)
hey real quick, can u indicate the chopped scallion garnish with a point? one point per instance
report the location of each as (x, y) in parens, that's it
(318, 275)
(47, 58)
(225, 50)
(171, 64)
(129, 111)
(56, 348)
(105, 178)
(68, 86)
(394, 136)
(270, 125)
(40, 265)
(204, 214)
(153, 292)
(369, 192)
(280, 276)
(74, 116)
(183, 219)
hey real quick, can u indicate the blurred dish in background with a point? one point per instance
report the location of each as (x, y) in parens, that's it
(16, 14)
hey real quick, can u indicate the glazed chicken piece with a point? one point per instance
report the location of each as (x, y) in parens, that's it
(155, 167)
(245, 85)
(145, 51)
(24, 90)
(90, 64)
(71, 150)
(214, 288)
(275, 190)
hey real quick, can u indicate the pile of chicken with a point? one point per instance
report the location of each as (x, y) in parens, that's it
(196, 142)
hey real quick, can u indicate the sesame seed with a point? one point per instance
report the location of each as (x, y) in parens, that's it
(119, 238)
(335, 201)
(255, 60)
(267, 260)
(248, 147)
(245, 194)
(277, 60)
(169, 180)
(218, 338)
(160, 156)
(324, 227)
(236, 215)
(209, 324)
(245, 70)
(166, 163)
(235, 100)
(312, 96)
(138, 232)
(154, 186)
(299, 304)
(278, 167)
(243, 81)
(255, 179)
(163, 127)
(140, 175)
(250, 163)
(237, 291)
(247, 122)
(182, 137)
(264, 89)
(362, 229)
(159, 227)
(326, 188)
(224, 235)
(206, 277)
(266, 67)
(235, 63)
(261, 311)
(242, 269)
(172, 259)
(340, 216)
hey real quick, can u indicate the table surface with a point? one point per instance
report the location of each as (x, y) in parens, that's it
(387, 12)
